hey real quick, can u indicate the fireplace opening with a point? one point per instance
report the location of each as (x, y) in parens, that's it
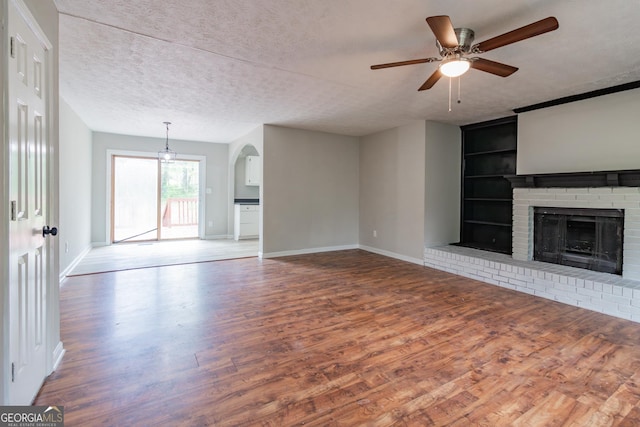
(584, 238)
(581, 235)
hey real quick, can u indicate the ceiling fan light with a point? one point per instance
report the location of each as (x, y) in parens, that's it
(454, 67)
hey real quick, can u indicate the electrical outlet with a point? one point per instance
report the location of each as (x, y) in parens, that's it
(375, 233)
(66, 247)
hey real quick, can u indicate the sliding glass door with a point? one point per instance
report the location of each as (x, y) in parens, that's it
(134, 206)
(152, 200)
(179, 204)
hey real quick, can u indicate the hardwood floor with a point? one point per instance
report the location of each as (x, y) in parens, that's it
(335, 339)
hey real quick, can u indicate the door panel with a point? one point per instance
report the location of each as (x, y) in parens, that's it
(37, 159)
(134, 199)
(179, 201)
(27, 108)
(20, 162)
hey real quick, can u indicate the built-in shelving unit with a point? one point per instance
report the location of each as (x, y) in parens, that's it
(489, 153)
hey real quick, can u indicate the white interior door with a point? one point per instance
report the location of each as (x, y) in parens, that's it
(28, 195)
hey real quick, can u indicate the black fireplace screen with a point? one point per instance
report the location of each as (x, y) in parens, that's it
(585, 238)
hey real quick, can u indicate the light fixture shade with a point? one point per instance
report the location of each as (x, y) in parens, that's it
(454, 67)
(166, 155)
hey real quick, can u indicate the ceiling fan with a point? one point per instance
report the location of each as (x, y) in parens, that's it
(455, 44)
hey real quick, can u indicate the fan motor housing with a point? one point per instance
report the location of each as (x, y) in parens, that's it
(465, 39)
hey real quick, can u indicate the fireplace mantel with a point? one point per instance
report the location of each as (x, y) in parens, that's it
(620, 178)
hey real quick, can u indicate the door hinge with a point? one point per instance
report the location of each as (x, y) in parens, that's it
(13, 47)
(13, 372)
(14, 210)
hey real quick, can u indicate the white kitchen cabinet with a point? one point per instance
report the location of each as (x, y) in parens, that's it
(252, 170)
(246, 219)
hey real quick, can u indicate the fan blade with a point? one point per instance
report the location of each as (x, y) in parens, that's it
(398, 64)
(493, 67)
(443, 30)
(433, 79)
(522, 33)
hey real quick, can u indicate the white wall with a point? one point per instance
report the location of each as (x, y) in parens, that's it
(595, 134)
(74, 227)
(216, 154)
(442, 184)
(310, 191)
(392, 191)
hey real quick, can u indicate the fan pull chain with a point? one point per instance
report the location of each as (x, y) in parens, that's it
(449, 94)
(459, 100)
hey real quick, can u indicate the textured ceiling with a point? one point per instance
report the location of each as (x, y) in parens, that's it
(219, 68)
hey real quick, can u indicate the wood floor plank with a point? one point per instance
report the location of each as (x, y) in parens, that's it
(334, 339)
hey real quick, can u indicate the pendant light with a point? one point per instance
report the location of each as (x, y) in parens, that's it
(166, 155)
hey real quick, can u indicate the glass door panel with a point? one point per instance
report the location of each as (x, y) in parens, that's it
(134, 199)
(179, 204)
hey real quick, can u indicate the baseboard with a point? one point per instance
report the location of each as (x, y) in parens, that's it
(74, 263)
(392, 255)
(247, 237)
(58, 354)
(306, 251)
(217, 237)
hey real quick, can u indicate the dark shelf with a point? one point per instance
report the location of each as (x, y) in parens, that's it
(480, 153)
(485, 176)
(497, 224)
(489, 153)
(487, 199)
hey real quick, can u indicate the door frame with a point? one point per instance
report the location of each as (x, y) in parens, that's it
(202, 174)
(53, 346)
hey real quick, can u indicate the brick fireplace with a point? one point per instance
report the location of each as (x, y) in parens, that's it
(613, 294)
(626, 199)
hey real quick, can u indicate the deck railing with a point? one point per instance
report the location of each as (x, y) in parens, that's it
(180, 211)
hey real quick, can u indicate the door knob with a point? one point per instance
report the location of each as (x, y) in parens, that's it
(46, 230)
